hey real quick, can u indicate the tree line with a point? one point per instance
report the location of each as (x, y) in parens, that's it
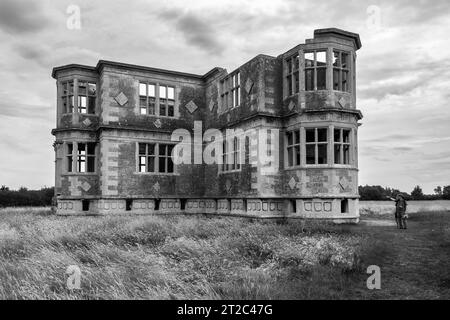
(25, 198)
(43, 197)
(384, 193)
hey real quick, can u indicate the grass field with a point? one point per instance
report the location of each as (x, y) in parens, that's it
(148, 257)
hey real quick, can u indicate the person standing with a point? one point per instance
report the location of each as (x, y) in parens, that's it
(400, 211)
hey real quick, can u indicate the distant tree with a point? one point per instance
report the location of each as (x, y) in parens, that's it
(23, 189)
(417, 193)
(446, 192)
(4, 188)
(376, 192)
(438, 190)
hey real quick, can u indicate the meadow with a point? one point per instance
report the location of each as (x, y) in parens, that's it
(198, 257)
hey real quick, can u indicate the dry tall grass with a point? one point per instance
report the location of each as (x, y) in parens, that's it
(148, 257)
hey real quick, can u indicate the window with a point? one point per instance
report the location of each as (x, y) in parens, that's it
(67, 96)
(293, 148)
(316, 145)
(230, 91)
(155, 157)
(315, 70)
(86, 157)
(69, 157)
(342, 146)
(236, 89)
(231, 155)
(156, 99)
(147, 98)
(341, 71)
(166, 101)
(292, 77)
(87, 92)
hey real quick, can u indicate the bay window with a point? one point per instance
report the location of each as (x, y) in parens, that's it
(316, 145)
(342, 146)
(341, 71)
(86, 157)
(293, 75)
(315, 70)
(83, 92)
(293, 148)
(86, 97)
(80, 157)
(67, 96)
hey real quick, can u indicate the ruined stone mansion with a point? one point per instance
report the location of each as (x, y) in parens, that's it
(114, 151)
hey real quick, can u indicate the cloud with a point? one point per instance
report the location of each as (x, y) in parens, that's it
(19, 16)
(196, 29)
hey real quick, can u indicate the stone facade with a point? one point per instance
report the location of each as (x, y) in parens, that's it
(107, 114)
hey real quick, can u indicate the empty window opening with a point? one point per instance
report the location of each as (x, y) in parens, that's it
(156, 157)
(315, 70)
(128, 204)
(293, 206)
(231, 154)
(244, 204)
(87, 93)
(344, 206)
(316, 146)
(157, 202)
(342, 146)
(157, 99)
(341, 70)
(86, 157)
(85, 205)
(69, 156)
(293, 148)
(292, 78)
(230, 91)
(183, 204)
(67, 96)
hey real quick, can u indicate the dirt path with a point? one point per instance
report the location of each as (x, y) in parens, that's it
(415, 263)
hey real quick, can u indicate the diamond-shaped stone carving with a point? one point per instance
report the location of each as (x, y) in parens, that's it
(292, 183)
(344, 183)
(87, 122)
(157, 187)
(291, 105)
(158, 123)
(342, 102)
(85, 186)
(121, 99)
(248, 85)
(191, 106)
(211, 105)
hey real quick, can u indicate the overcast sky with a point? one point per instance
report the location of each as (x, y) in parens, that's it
(403, 69)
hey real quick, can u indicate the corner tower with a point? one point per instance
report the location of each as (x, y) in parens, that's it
(321, 125)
